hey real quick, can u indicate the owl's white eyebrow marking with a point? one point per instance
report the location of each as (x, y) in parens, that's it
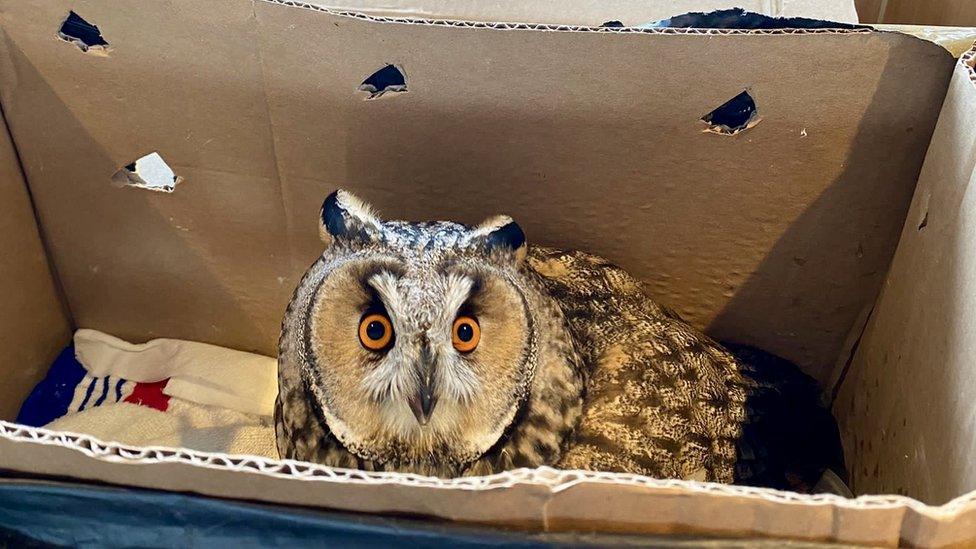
(458, 290)
(456, 379)
(385, 284)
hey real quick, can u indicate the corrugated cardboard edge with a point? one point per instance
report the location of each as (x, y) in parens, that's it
(954, 39)
(576, 11)
(538, 499)
(502, 25)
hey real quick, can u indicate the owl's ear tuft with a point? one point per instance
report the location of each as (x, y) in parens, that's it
(502, 233)
(345, 217)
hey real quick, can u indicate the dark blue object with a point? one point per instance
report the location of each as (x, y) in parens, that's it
(733, 115)
(81, 32)
(50, 398)
(389, 78)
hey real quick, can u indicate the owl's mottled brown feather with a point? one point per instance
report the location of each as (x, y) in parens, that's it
(661, 398)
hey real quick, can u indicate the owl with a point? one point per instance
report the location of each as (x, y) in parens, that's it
(447, 350)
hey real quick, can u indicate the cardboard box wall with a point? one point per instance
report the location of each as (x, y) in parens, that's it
(780, 236)
(584, 12)
(957, 13)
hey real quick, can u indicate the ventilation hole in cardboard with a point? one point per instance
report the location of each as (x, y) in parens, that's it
(388, 79)
(924, 222)
(83, 34)
(149, 172)
(735, 115)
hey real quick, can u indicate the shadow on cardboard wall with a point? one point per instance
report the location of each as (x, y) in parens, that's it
(800, 256)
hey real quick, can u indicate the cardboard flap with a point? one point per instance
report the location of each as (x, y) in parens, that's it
(957, 40)
(777, 236)
(584, 12)
(34, 326)
(906, 406)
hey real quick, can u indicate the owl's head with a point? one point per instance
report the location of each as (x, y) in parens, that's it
(419, 342)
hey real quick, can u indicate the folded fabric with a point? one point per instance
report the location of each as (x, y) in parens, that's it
(198, 372)
(165, 392)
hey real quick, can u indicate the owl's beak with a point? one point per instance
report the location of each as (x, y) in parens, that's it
(423, 402)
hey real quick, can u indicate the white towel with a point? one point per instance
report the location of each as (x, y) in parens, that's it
(198, 372)
(183, 425)
(220, 400)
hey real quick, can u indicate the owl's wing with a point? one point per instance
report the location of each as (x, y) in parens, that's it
(789, 439)
(661, 398)
(298, 427)
(663, 402)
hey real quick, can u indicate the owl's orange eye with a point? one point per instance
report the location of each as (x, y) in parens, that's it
(375, 331)
(465, 334)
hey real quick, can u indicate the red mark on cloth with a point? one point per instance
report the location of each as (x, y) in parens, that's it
(150, 394)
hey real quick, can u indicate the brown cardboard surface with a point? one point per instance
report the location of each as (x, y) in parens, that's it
(906, 407)
(585, 12)
(33, 323)
(586, 138)
(957, 40)
(869, 11)
(958, 13)
(542, 499)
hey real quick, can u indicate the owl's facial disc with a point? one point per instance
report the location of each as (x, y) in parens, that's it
(419, 358)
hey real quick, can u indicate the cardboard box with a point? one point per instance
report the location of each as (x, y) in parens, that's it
(584, 12)
(956, 13)
(779, 236)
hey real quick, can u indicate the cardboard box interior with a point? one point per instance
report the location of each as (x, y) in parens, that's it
(906, 405)
(780, 236)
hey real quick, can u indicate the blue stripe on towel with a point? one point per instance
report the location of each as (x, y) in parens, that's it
(101, 399)
(88, 394)
(118, 390)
